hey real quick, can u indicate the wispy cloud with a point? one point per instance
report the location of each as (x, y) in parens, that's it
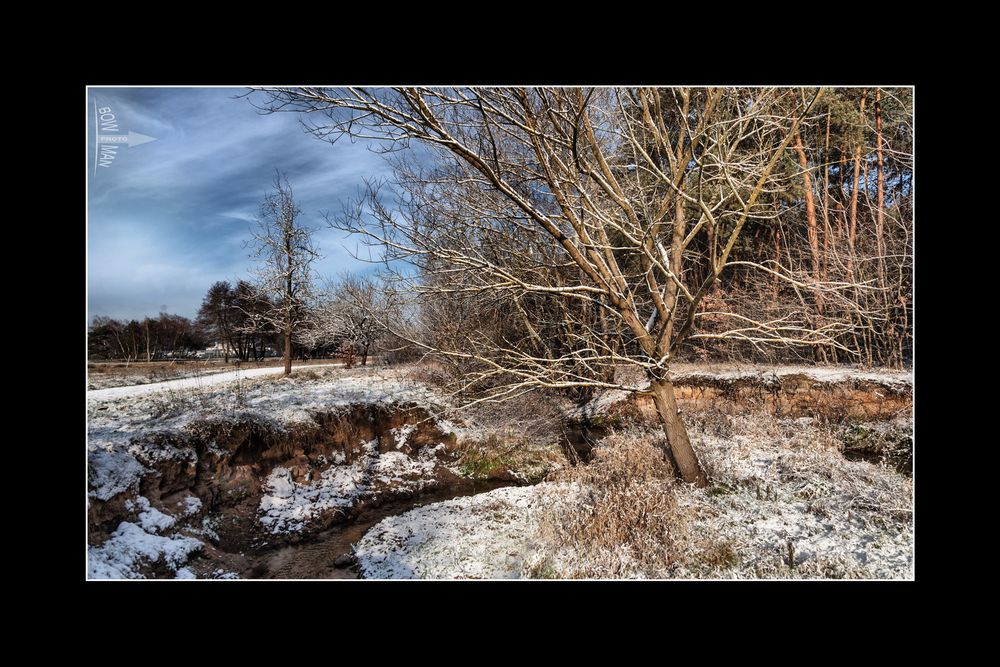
(170, 217)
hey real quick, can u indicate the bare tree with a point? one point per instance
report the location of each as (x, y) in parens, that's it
(354, 313)
(285, 253)
(599, 221)
(368, 306)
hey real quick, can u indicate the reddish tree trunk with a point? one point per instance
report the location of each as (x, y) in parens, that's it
(810, 207)
(880, 179)
(853, 227)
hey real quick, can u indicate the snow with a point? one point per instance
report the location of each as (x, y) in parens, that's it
(129, 547)
(197, 382)
(485, 536)
(151, 519)
(110, 473)
(288, 506)
(185, 573)
(192, 505)
(119, 429)
(402, 434)
(777, 482)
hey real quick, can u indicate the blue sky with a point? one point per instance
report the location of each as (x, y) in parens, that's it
(169, 218)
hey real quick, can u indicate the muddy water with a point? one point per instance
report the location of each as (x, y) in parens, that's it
(314, 559)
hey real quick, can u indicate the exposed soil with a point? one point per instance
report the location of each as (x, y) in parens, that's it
(222, 467)
(856, 404)
(329, 554)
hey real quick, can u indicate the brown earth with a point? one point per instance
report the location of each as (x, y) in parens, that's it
(225, 462)
(795, 395)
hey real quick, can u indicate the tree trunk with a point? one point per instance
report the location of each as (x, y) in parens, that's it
(827, 229)
(288, 352)
(364, 355)
(880, 180)
(681, 452)
(852, 230)
(813, 232)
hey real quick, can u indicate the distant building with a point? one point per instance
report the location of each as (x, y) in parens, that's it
(215, 351)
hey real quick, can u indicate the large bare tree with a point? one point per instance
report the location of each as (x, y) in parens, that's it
(599, 220)
(285, 253)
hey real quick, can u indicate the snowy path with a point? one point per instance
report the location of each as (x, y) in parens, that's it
(189, 383)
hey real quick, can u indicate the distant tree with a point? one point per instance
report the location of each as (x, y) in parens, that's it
(285, 253)
(153, 338)
(219, 316)
(366, 304)
(350, 317)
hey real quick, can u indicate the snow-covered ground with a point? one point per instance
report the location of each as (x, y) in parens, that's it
(288, 506)
(777, 491)
(130, 435)
(115, 421)
(486, 536)
(200, 381)
(784, 504)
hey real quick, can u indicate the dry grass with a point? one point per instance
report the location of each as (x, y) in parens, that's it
(784, 503)
(521, 439)
(625, 522)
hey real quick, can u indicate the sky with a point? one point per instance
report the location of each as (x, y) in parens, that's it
(168, 218)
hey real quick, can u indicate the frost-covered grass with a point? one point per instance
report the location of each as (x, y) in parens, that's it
(784, 504)
(486, 536)
(787, 501)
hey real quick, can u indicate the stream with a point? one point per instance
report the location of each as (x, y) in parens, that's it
(314, 558)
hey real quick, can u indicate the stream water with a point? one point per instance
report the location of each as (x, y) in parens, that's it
(314, 558)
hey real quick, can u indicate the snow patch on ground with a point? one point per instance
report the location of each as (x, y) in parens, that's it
(402, 434)
(110, 473)
(151, 519)
(288, 506)
(130, 547)
(192, 505)
(485, 536)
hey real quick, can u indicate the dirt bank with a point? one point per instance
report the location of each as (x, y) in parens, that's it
(230, 494)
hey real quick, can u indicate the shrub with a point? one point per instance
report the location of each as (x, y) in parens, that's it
(627, 521)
